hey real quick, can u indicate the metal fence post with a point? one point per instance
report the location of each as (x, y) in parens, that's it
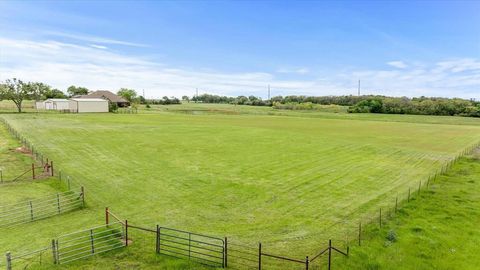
(9, 260)
(33, 171)
(106, 216)
(259, 256)
(157, 242)
(189, 244)
(408, 199)
(1, 176)
(54, 251)
(225, 253)
(82, 190)
(329, 254)
(58, 203)
(126, 233)
(380, 217)
(31, 210)
(359, 233)
(51, 166)
(306, 263)
(91, 239)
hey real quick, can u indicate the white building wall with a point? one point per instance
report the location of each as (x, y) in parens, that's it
(92, 106)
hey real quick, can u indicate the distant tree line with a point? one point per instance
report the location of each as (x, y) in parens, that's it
(358, 104)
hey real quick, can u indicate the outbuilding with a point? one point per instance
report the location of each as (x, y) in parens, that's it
(58, 104)
(87, 105)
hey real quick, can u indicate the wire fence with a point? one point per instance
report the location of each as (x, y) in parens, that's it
(40, 208)
(28, 260)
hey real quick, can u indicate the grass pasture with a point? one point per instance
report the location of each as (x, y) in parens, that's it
(289, 179)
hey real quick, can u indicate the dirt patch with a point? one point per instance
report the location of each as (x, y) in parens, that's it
(23, 150)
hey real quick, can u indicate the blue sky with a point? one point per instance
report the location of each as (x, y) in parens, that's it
(400, 48)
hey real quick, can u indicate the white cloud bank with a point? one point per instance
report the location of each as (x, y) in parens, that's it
(397, 64)
(63, 64)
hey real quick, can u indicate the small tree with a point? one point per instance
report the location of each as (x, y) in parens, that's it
(17, 91)
(186, 98)
(128, 94)
(74, 91)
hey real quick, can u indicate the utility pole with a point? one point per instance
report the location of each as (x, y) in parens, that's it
(196, 95)
(269, 92)
(358, 87)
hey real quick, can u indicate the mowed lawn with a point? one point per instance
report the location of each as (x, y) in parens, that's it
(285, 181)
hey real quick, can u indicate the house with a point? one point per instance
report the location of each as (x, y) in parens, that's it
(107, 95)
(87, 105)
(58, 104)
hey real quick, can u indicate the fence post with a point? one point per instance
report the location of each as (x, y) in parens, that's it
(225, 254)
(68, 182)
(106, 216)
(380, 217)
(51, 166)
(329, 254)
(83, 195)
(9, 260)
(408, 199)
(33, 171)
(58, 203)
(91, 239)
(31, 210)
(1, 176)
(126, 233)
(157, 242)
(54, 251)
(60, 175)
(359, 233)
(259, 256)
(306, 263)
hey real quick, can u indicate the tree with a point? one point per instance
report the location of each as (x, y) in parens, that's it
(54, 93)
(128, 94)
(17, 91)
(74, 91)
(186, 98)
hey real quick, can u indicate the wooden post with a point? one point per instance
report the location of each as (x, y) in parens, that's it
(51, 166)
(68, 182)
(359, 233)
(259, 256)
(54, 251)
(91, 240)
(157, 243)
(106, 216)
(9, 260)
(225, 254)
(126, 233)
(348, 251)
(33, 171)
(306, 263)
(329, 254)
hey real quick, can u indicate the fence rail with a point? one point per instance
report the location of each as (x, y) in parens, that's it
(87, 243)
(39, 208)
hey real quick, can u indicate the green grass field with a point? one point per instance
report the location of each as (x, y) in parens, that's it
(438, 230)
(288, 179)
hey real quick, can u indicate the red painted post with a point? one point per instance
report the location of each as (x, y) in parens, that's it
(33, 171)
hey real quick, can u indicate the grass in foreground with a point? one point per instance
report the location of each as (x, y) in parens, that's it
(438, 230)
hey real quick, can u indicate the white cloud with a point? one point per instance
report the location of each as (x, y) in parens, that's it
(302, 70)
(98, 46)
(63, 64)
(397, 64)
(93, 39)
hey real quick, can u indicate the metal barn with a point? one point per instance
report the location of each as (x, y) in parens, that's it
(87, 105)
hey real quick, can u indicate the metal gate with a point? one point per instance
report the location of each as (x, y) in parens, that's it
(82, 244)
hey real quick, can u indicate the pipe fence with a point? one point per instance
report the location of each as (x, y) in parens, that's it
(40, 208)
